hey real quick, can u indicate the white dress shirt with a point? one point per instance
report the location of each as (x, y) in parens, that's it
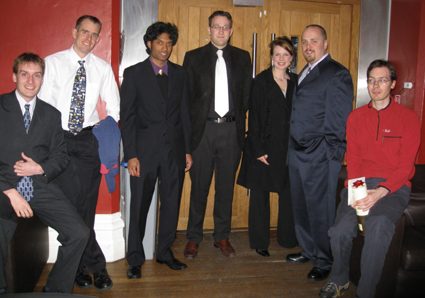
(56, 90)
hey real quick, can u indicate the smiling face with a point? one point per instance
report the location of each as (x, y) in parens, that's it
(314, 45)
(220, 31)
(380, 95)
(161, 49)
(86, 37)
(28, 79)
(281, 58)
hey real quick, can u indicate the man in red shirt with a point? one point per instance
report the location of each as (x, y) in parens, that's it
(383, 138)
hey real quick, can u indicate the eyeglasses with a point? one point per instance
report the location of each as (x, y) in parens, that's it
(381, 82)
(218, 28)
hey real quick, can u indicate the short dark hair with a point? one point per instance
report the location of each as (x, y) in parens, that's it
(87, 17)
(220, 13)
(25, 58)
(322, 30)
(382, 63)
(287, 44)
(157, 29)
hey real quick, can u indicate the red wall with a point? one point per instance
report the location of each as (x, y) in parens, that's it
(406, 48)
(45, 27)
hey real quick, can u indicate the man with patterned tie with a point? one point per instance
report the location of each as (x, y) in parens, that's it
(73, 83)
(219, 83)
(32, 154)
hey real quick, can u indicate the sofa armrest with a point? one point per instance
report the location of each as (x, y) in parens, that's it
(415, 211)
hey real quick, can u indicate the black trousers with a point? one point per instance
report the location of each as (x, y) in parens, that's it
(56, 211)
(170, 189)
(217, 152)
(259, 219)
(80, 183)
(313, 188)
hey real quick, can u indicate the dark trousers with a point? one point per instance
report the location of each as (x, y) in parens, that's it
(259, 219)
(80, 183)
(313, 188)
(56, 211)
(217, 152)
(170, 188)
(380, 227)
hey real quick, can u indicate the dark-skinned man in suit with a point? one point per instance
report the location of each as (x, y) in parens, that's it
(156, 134)
(32, 154)
(320, 108)
(219, 79)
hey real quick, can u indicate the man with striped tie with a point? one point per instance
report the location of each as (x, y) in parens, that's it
(32, 154)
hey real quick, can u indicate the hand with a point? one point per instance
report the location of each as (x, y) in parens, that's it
(19, 204)
(373, 196)
(134, 167)
(264, 159)
(28, 167)
(189, 162)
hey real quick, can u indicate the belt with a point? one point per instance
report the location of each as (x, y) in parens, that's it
(88, 128)
(222, 120)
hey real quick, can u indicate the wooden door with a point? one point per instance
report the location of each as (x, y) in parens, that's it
(341, 22)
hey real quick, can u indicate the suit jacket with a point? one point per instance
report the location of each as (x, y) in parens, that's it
(320, 109)
(149, 121)
(201, 70)
(44, 142)
(268, 133)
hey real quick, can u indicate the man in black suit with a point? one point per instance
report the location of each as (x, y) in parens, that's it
(219, 79)
(156, 134)
(33, 152)
(320, 109)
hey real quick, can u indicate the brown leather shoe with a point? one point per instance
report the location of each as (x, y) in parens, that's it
(225, 248)
(191, 250)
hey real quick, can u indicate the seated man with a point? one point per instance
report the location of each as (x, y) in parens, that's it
(32, 154)
(383, 138)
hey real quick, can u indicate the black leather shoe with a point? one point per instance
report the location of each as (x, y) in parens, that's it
(318, 274)
(297, 258)
(50, 290)
(263, 252)
(102, 281)
(2, 291)
(134, 272)
(173, 264)
(83, 278)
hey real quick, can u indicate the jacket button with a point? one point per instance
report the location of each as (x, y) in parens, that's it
(268, 110)
(163, 102)
(165, 134)
(267, 123)
(268, 136)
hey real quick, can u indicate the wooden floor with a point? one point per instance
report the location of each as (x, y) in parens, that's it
(212, 275)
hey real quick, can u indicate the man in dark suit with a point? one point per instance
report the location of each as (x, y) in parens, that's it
(156, 133)
(320, 109)
(32, 154)
(219, 79)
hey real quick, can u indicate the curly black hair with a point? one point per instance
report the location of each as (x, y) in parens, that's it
(157, 29)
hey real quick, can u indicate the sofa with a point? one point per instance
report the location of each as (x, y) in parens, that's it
(404, 267)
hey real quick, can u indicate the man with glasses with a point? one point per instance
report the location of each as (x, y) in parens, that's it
(219, 84)
(383, 138)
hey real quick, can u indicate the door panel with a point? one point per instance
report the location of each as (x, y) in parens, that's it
(341, 22)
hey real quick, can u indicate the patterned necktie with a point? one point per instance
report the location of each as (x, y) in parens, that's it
(25, 187)
(221, 102)
(76, 111)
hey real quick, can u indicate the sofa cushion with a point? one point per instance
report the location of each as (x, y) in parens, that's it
(413, 249)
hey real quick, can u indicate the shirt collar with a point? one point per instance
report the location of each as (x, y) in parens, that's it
(320, 60)
(23, 102)
(76, 58)
(156, 68)
(214, 50)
